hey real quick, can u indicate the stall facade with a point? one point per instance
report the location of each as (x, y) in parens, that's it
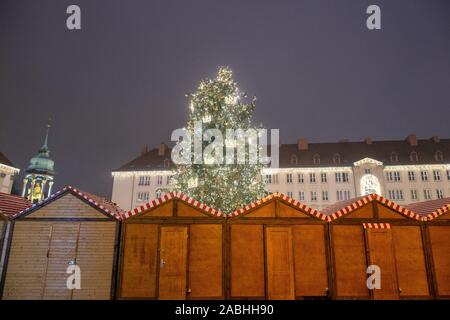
(172, 248)
(70, 227)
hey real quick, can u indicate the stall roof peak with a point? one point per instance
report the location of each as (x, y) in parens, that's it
(102, 204)
(174, 195)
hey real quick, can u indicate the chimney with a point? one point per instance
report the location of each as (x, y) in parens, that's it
(412, 140)
(144, 150)
(368, 140)
(161, 149)
(435, 139)
(302, 144)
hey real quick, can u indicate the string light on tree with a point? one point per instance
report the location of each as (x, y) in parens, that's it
(218, 104)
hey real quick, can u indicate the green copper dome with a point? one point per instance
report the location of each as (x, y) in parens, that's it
(41, 163)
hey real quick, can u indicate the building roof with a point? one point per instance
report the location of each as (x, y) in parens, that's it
(107, 207)
(4, 160)
(42, 163)
(428, 152)
(11, 204)
(432, 208)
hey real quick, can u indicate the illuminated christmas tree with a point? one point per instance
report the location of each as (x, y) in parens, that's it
(219, 104)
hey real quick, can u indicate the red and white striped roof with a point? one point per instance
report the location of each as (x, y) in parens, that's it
(167, 197)
(278, 195)
(99, 203)
(376, 225)
(353, 204)
(431, 209)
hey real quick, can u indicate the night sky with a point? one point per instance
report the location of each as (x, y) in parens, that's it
(120, 82)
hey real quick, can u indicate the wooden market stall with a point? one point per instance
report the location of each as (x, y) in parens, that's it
(277, 248)
(71, 227)
(172, 248)
(372, 230)
(437, 215)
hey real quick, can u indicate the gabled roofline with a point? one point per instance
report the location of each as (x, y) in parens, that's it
(74, 191)
(283, 197)
(371, 198)
(438, 212)
(174, 195)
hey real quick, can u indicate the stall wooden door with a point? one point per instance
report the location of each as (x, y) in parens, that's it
(173, 259)
(280, 266)
(61, 253)
(381, 253)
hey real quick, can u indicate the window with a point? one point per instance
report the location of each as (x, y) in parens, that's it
(312, 177)
(436, 175)
(169, 179)
(424, 175)
(439, 156)
(142, 196)
(393, 176)
(343, 195)
(158, 194)
(313, 196)
(394, 157)
(275, 178)
(341, 176)
(294, 159)
(289, 178)
(411, 176)
(144, 181)
(323, 177)
(395, 194)
(413, 156)
(268, 178)
(336, 158)
(414, 196)
(301, 196)
(159, 180)
(367, 171)
(301, 178)
(289, 194)
(427, 194)
(325, 195)
(439, 193)
(448, 174)
(316, 159)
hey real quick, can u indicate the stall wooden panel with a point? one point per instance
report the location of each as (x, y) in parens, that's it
(440, 248)
(27, 263)
(205, 261)
(410, 259)
(62, 252)
(95, 256)
(350, 261)
(140, 245)
(173, 260)
(311, 278)
(381, 254)
(280, 263)
(247, 261)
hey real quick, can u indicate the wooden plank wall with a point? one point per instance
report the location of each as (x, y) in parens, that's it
(49, 239)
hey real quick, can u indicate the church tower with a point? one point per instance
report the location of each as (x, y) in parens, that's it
(38, 182)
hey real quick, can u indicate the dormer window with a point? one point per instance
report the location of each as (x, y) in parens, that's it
(394, 157)
(166, 163)
(439, 156)
(336, 158)
(413, 156)
(316, 159)
(294, 159)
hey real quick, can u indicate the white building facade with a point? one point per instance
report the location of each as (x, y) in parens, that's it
(7, 174)
(318, 174)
